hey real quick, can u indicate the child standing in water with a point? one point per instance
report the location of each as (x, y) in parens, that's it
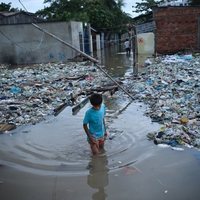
(94, 124)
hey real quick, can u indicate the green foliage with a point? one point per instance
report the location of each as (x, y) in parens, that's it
(101, 14)
(146, 6)
(194, 2)
(7, 7)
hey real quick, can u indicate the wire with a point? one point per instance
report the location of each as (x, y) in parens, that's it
(10, 40)
(22, 47)
(23, 5)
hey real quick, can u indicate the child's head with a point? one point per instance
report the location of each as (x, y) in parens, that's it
(96, 99)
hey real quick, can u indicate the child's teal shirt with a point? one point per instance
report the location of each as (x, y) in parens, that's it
(95, 119)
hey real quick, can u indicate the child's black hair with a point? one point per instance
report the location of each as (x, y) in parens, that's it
(96, 99)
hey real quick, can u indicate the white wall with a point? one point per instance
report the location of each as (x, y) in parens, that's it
(24, 44)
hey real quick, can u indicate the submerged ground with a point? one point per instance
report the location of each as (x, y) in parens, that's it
(52, 160)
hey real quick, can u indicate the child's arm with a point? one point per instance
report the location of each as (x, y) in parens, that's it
(85, 127)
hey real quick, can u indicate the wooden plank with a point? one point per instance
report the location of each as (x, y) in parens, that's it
(78, 107)
(60, 108)
(6, 127)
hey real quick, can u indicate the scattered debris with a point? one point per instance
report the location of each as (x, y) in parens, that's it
(171, 88)
(129, 170)
(79, 58)
(29, 94)
(169, 85)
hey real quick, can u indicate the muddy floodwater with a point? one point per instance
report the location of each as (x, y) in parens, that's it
(52, 160)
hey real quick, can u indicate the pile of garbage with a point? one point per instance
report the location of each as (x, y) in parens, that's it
(170, 86)
(30, 94)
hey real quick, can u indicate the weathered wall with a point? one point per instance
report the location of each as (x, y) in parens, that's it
(146, 43)
(24, 44)
(176, 28)
(145, 28)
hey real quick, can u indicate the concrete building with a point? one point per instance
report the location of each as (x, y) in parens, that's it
(24, 44)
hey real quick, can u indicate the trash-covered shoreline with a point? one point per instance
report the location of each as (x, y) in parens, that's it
(30, 94)
(170, 87)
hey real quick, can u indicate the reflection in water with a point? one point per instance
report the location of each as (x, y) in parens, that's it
(98, 176)
(117, 62)
(39, 149)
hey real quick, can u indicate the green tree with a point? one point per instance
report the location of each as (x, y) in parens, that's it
(146, 6)
(101, 14)
(7, 7)
(120, 3)
(194, 2)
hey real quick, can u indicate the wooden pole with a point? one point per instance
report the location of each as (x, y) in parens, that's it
(135, 51)
(84, 54)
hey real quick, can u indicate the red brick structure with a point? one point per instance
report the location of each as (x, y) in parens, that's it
(177, 29)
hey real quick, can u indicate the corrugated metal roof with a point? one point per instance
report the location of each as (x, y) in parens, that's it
(18, 17)
(8, 14)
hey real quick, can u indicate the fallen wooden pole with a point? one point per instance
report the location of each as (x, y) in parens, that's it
(61, 107)
(86, 55)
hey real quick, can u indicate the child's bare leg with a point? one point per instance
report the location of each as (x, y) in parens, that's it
(94, 148)
(101, 144)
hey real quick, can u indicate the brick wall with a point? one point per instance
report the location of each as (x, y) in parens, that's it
(176, 28)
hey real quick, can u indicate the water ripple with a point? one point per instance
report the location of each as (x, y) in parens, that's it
(60, 147)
